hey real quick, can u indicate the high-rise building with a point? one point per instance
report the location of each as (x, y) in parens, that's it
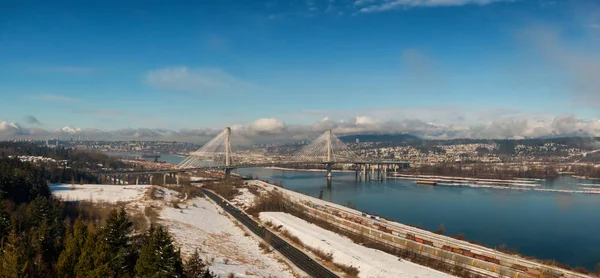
(357, 140)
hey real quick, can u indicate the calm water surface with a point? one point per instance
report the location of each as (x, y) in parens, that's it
(547, 225)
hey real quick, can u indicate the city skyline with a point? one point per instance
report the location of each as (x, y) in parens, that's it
(436, 69)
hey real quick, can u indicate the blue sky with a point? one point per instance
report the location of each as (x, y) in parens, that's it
(208, 64)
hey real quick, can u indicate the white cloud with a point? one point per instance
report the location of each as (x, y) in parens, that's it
(199, 80)
(397, 4)
(267, 126)
(10, 128)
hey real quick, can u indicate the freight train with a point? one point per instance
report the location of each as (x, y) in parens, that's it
(468, 253)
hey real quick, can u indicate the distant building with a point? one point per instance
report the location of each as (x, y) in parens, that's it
(357, 140)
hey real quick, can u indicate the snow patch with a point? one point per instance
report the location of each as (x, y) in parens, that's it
(370, 262)
(98, 192)
(245, 199)
(204, 226)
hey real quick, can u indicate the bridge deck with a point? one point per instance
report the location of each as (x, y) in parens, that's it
(258, 165)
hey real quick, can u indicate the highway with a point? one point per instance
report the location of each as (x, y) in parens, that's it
(301, 260)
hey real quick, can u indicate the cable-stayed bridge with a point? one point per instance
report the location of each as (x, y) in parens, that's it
(325, 150)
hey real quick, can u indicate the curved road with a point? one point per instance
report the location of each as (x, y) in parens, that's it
(301, 260)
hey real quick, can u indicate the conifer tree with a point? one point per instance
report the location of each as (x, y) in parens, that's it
(194, 267)
(74, 243)
(4, 219)
(94, 255)
(158, 257)
(118, 240)
(13, 259)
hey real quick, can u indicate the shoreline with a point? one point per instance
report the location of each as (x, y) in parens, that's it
(306, 170)
(466, 180)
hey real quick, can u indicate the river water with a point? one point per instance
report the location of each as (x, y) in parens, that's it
(561, 226)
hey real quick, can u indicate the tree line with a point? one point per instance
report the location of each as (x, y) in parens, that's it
(77, 158)
(38, 237)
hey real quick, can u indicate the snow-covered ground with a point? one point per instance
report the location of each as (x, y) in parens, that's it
(205, 226)
(370, 262)
(245, 199)
(98, 192)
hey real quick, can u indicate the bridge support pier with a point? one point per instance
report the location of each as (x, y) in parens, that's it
(178, 178)
(227, 173)
(150, 179)
(165, 179)
(372, 173)
(137, 180)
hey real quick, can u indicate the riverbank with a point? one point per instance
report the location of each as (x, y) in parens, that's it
(520, 184)
(308, 170)
(458, 180)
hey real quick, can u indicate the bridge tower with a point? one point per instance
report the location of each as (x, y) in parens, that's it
(227, 152)
(329, 160)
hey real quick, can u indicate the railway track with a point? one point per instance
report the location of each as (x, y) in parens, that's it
(297, 257)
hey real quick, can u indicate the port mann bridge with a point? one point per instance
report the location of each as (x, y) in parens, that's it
(217, 155)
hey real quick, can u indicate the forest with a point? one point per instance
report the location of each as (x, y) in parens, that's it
(41, 236)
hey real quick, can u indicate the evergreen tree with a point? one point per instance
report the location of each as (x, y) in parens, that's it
(13, 259)
(158, 257)
(118, 240)
(74, 244)
(94, 256)
(4, 220)
(194, 267)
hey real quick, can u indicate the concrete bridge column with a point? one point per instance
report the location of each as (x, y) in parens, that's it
(385, 169)
(137, 180)
(228, 173)
(177, 177)
(165, 179)
(372, 173)
(150, 179)
(364, 171)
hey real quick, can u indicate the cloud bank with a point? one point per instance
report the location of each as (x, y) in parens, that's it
(275, 130)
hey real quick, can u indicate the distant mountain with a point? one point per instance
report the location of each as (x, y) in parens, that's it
(384, 138)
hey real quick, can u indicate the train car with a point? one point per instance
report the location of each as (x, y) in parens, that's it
(419, 240)
(520, 267)
(487, 259)
(468, 253)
